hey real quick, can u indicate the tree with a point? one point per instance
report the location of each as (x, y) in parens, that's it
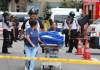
(4, 5)
(64, 4)
(47, 7)
(71, 4)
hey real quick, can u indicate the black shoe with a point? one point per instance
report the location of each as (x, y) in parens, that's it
(68, 51)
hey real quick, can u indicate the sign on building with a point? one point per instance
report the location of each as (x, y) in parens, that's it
(97, 10)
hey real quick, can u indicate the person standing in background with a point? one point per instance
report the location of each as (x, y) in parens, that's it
(53, 27)
(14, 32)
(47, 22)
(6, 32)
(66, 30)
(74, 29)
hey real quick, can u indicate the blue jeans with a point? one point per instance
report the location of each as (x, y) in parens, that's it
(30, 52)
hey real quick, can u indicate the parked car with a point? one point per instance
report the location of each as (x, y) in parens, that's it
(94, 31)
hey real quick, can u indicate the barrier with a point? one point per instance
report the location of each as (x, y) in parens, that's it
(79, 48)
(62, 60)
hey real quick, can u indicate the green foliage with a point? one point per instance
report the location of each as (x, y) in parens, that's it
(3, 5)
(71, 4)
(47, 6)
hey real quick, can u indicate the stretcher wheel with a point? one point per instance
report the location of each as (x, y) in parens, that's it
(48, 68)
(51, 67)
(43, 67)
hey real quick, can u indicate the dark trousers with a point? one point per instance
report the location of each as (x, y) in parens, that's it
(73, 42)
(15, 34)
(6, 41)
(66, 38)
(66, 31)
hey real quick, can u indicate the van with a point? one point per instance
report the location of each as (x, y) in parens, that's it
(60, 14)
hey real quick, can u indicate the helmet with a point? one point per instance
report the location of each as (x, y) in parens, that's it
(72, 14)
(6, 13)
(33, 11)
(48, 12)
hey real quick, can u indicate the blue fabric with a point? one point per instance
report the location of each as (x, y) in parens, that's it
(54, 38)
(33, 36)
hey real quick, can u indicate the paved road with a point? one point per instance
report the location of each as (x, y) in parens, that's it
(19, 65)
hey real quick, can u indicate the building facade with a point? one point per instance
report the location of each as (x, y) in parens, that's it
(18, 5)
(25, 5)
(91, 7)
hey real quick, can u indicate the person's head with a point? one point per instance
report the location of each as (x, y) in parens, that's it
(33, 13)
(72, 14)
(53, 26)
(6, 15)
(33, 23)
(12, 18)
(48, 14)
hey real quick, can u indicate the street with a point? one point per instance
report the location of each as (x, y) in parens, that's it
(17, 50)
(78, 24)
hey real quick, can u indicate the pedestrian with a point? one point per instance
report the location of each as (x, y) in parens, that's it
(53, 27)
(66, 30)
(6, 32)
(74, 29)
(14, 30)
(31, 44)
(47, 22)
(33, 15)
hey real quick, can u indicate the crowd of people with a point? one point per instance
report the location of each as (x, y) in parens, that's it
(10, 31)
(31, 28)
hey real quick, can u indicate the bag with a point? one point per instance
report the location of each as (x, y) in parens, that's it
(21, 35)
(82, 21)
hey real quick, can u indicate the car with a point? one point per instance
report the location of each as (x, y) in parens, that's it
(94, 33)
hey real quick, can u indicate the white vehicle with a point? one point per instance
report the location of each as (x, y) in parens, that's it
(94, 30)
(60, 14)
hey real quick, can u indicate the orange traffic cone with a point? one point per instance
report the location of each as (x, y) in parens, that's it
(79, 48)
(86, 55)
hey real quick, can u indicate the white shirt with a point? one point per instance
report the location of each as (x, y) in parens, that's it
(74, 25)
(5, 26)
(65, 25)
(27, 25)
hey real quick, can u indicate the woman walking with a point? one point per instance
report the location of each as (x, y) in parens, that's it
(31, 44)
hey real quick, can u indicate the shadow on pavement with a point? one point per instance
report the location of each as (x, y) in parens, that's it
(95, 53)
